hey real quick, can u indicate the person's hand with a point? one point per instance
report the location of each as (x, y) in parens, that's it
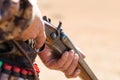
(67, 63)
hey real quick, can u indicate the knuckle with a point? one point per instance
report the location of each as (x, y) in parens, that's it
(64, 69)
(60, 64)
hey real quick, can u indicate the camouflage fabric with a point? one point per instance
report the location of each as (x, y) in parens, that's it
(20, 21)
(11, 28)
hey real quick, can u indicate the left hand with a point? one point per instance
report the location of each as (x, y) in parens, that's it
(67, 63)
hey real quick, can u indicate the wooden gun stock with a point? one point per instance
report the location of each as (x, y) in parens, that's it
(59, 42)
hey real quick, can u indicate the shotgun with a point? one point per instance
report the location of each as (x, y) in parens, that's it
(59, 42)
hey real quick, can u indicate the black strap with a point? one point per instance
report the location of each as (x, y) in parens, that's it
(27, 57)
(40, 49)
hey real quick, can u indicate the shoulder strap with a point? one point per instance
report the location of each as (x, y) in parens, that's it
(27, 57)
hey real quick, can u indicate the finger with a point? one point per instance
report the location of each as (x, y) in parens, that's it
(57, 64)
(69, 60)
(83, 55)
(51, 64)
(73, 65)
(62, 60)
(75, 74)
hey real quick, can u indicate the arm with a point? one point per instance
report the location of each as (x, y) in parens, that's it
(67, 63)
(59, 42)
(36, 30)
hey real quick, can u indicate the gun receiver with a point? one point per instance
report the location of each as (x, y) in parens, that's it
(59, 42)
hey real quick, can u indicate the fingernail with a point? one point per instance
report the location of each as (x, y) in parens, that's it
(66, 53)
(71, 51)
(76, 56)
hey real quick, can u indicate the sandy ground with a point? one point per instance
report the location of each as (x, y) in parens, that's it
(92, 25)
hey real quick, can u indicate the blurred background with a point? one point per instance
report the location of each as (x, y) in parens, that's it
(92, 25)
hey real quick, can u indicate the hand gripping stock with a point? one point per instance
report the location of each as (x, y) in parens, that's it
(59, 42)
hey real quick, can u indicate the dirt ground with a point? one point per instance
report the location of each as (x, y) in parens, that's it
(92, 25)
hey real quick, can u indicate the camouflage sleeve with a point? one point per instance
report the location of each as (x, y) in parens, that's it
(12, 28)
